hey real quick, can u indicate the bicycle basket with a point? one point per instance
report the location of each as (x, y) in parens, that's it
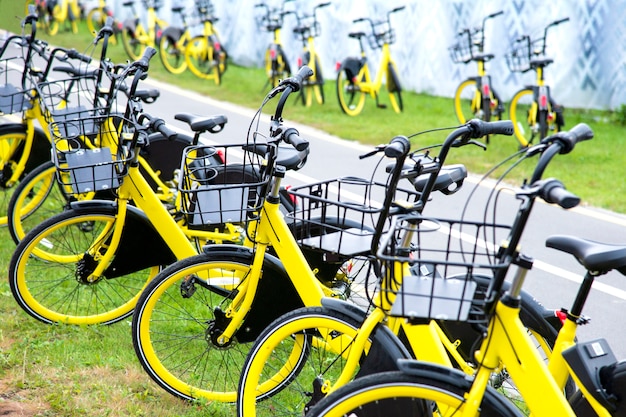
(377, 40)
(14, 97)
(518, 57)
(83, 167)
(465, 49)
(217, 186)
(433, 278)
(72, 98)
(339, 215)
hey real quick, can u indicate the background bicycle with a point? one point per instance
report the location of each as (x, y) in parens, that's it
(533, 110)
(355, 80)
(475, 97)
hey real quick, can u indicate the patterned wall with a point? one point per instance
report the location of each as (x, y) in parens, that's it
(589, 51)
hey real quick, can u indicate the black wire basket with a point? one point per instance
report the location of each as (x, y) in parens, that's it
(518, 57)
(97, 164)
(464, 50)
(433, 276)
(14, 94)
(221, 184)
(73, 99)
(340, 215)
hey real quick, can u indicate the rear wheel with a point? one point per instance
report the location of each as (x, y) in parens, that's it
(133, 47)
(351, 98)
(467, 101)
(202, 60)
(172, 56)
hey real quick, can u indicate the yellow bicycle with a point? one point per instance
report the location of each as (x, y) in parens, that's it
(56, 13)
(427, 387)
(308, 28)
(196, 320)
(354, 79)
(276, 63)
(205, 54)
(533, 111)
(475, 97)
(307, 353)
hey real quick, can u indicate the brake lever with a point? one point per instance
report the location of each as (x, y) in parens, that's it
(378, 148)
(462, 142)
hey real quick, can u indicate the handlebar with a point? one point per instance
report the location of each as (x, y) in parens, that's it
(553, 191)
(292, 137)
(158, 125)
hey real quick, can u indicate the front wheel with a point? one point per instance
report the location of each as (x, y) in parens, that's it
(392, 394)
(203, 60)
(468, 101)
(295, 360)
(50, 272)
(350, 96)
(314, 86)
(180, 317)
(523, 113)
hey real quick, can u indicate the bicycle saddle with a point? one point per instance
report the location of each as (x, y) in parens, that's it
(594, 256)
(541, 62)
(356, 35)
(199, 124)
(483, 57)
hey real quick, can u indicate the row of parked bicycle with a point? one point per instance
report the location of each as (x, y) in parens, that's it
(532, 109)
(314, 300)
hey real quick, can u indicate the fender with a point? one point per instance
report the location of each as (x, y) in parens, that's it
(352, 66)
(386, 347)
(141, 246)
(456, 378)
(172, 33)
(275, 296)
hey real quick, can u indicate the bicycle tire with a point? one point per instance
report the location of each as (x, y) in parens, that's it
(52, 28)
(394, 88)
(48, 271)
(397, 393)
(289, 359)
(13, 138)
(201, 60)
(467, 101)
(133, 47)
(96, 19)
(542, 120)
(175, 326)
(522, 111)
(276, 65)
(350, 96)
(172, 57)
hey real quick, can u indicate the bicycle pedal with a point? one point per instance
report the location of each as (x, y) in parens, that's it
(381, 106)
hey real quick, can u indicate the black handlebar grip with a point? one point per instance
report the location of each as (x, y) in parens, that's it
(569, 139)
(292, 137)
(398, 147)
(480, 128)
(303, 73)
(496, 14)
(323, 4)
(160, 126)
(74, 54)
(397, 9)
(144, 61)
(554, 192)
(558, 22)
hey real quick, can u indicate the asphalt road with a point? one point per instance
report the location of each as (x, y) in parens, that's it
(554, 278)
